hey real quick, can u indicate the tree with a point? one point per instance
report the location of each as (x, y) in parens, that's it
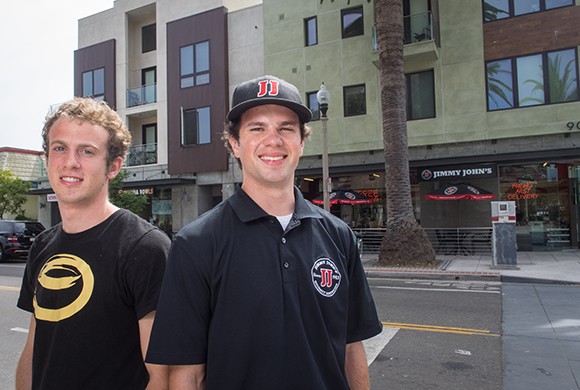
(12, 194)
(125, 199)
(405, 241)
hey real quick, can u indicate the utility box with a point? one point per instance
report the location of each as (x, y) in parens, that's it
(504, 244)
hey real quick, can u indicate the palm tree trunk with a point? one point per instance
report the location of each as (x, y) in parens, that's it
(405, 241)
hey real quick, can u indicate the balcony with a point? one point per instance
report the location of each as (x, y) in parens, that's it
(142, 155)
(145, 94)
(419, 37)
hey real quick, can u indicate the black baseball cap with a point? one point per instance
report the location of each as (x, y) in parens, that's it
(267, 90)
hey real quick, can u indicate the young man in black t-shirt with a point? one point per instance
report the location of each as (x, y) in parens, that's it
(91, 282)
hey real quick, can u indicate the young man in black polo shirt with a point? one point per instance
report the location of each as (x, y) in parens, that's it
(265, 291)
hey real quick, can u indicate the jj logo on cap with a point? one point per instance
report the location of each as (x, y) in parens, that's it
(268, 87)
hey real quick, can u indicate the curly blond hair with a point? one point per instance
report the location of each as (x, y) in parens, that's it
(97, 113)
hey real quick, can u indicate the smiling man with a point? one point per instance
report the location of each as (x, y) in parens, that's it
(265, 291)
(91, 282)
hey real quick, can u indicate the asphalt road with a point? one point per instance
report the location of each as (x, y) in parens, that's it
(438, 335)
(13, 322)
(448, 335)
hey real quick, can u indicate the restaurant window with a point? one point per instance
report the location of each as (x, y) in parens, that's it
(196, 126)
(148, 38)
(310, 31)
(94, 84)
(194, 64)
(501, 9)
(420, 95)
(355, 100)
(352, 22)
(543, 208)
(522, 81)
(312, 102)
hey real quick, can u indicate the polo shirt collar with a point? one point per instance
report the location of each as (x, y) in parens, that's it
(247, 210)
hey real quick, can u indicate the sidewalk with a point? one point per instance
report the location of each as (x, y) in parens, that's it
(532, 267)
(540, 312)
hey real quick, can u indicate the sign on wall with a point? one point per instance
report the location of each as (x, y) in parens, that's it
(463, 172)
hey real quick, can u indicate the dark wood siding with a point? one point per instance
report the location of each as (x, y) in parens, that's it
(533, 33)
(101, 55)
(209, 26)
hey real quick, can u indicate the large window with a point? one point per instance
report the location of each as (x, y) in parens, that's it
(94, 84)
(196, 126)
(501, 9)
(355, 100)
(420, 95)
(194, 60)
(352, 22)
(310, 31)
(532, 80)
(148, 39)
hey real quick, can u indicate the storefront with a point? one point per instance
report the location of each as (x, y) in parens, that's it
(546, 196)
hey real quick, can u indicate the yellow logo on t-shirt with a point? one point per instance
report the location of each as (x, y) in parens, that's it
(68, 274)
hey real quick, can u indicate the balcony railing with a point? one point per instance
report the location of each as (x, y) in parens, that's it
(417, 28)
(142, 155)
(145, 94)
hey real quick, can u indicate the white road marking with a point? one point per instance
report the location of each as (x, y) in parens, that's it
(375, 345)
(21, 330)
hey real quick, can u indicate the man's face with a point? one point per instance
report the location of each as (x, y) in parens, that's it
(76, 162)
(269, 146)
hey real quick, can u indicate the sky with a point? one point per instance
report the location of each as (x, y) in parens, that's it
(36, 70)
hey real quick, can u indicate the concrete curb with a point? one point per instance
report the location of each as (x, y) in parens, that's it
(391, 273)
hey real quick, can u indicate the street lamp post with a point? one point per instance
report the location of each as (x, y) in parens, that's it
(322, 96)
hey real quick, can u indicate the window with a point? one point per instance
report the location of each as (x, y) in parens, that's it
(312, 103)
(499, 85)
(310, 31)
(94, 84)
(352, 22)
(148, 38)
(196, 126)
(544, 78)
(420, 95)
(501, 9)
(194, 60)
(355, 100)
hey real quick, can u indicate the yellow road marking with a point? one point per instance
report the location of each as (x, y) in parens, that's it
(9, 288)
(440, 329)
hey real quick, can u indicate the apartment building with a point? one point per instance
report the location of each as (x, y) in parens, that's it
(167, 67)
(492, 100)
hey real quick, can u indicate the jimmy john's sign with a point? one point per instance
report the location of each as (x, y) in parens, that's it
(457, 172)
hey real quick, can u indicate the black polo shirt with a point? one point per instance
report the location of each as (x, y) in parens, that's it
(263, 308)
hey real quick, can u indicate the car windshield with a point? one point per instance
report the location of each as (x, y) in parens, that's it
(29, 228)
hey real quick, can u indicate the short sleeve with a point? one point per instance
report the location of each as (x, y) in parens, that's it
(363, 320)
(181, 326)
(144, 270)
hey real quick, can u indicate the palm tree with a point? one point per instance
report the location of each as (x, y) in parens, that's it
(405, 241)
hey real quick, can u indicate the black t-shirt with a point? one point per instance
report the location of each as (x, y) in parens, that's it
(87, 292)
(263, 308)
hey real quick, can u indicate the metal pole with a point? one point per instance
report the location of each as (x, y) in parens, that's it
(325, 175)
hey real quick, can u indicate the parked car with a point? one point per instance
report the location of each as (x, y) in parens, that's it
(16, 237)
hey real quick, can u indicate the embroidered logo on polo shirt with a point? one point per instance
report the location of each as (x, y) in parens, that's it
(325, 277)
